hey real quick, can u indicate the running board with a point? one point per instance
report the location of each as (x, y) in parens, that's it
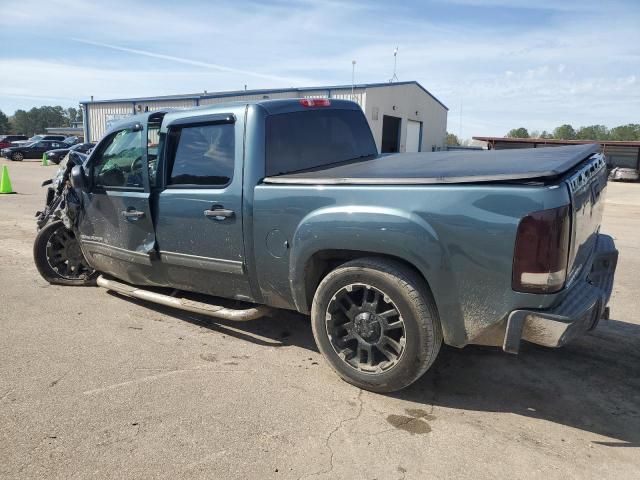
(237, 315)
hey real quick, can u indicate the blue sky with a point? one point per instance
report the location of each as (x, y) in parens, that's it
(504, 63)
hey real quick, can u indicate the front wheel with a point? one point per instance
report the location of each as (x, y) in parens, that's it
(376, 323)
(59, 259)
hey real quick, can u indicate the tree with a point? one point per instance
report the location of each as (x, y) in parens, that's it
(593, 132)
(452, 139)
(5, 126)
(564, 132)
(73, 115)
(518, 133)
(546, 134)
(627, 132)
(38, 119)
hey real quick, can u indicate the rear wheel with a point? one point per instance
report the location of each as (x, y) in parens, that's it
(17, 156)
(376, 323)
(59, 259)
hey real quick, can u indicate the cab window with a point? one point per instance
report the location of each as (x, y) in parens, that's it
(119, 164)
(201, 155)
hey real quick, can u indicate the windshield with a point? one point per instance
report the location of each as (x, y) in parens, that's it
(35, 138)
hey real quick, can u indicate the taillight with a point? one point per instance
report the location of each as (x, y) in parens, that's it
(315, 102)
(541, 251)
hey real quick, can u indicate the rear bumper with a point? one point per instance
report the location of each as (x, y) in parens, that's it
(580, 310)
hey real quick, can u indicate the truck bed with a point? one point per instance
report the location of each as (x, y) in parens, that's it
(446, 167)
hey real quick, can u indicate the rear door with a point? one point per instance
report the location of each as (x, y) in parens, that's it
(116, 229)
(199, 210)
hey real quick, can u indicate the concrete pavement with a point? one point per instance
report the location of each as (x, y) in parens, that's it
(96, 385)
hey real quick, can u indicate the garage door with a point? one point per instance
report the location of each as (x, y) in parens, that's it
(414, 134)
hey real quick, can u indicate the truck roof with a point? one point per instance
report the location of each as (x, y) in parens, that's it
(271, 107)
(446, 167)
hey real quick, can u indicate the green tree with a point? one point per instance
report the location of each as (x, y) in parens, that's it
(518, 133)
(5, 126)
(593, 132)
(564, 132)
(546, 134)
(38, 119)
(73, 115)
(627, 132)
(452, 139)
(20, 122)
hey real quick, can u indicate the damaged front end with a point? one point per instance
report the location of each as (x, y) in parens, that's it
(62, 201)
(56, 250)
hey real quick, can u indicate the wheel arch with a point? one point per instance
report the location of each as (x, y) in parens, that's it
(328, 237)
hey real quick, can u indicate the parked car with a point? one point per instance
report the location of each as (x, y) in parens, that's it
(287, 204)
(621, 174)
(30, 150)
(37, 138)
(72, 140)
(58, 154)
(6, 140)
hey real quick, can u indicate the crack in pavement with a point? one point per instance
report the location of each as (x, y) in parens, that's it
(330, 436)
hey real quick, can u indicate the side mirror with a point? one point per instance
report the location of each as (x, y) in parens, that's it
(79, 178)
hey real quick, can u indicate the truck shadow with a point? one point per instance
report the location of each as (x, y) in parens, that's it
(592, 384)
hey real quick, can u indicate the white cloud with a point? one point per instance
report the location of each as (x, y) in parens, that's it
(580, 66)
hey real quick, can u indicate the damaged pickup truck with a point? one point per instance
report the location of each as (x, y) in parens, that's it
(235, 209)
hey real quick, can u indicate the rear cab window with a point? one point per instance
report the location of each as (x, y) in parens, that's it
(201, 155)
(313, 139)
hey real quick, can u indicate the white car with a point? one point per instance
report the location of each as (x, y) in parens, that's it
(624, 174)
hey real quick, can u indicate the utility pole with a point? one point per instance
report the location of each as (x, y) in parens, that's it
(460, 125)
(353, 77)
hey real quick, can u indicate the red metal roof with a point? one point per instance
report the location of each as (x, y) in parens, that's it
(543, 141)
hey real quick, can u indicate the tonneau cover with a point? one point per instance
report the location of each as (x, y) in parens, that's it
(458, 166)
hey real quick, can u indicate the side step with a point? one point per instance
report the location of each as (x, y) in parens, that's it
(241, 315)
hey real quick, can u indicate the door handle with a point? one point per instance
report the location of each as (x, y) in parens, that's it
(132, 214)
(219, 213)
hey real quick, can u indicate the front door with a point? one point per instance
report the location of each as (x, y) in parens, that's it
(199, 210)
(116, 229)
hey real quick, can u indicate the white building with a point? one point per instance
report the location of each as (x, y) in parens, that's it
(403, 116)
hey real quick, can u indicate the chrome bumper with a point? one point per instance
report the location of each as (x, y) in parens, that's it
(580, 311)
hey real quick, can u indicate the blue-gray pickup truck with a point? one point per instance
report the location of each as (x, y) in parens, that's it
(237, 209)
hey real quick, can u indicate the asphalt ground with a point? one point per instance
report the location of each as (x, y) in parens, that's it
(93, 385)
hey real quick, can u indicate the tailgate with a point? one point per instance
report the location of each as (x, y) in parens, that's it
(587, 188)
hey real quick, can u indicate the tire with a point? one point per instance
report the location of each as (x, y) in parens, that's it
(346, 336)
(60, 270)
(17, 157)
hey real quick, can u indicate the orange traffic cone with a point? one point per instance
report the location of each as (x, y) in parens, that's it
(5, 181)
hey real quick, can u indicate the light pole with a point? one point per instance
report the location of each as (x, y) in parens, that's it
(395, 64)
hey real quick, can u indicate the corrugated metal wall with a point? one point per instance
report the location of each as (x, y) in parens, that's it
(627, 157)
(359, 95)
(160, 104)
(240, 98)
(616, 155)
(101, 114)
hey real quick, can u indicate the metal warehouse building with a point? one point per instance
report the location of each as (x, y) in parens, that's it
(403, 116)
